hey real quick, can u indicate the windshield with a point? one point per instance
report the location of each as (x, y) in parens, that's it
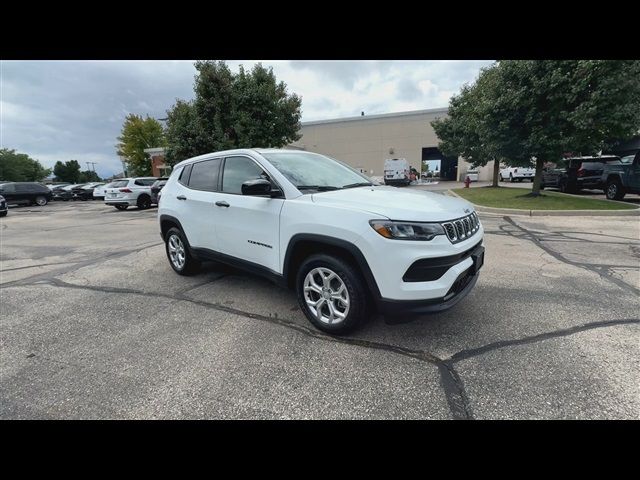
(314, 171)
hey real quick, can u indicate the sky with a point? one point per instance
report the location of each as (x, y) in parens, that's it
(63, 110)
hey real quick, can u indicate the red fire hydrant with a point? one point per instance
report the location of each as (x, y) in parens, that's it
(467, 181)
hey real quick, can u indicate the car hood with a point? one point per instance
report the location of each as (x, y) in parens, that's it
(397, 204)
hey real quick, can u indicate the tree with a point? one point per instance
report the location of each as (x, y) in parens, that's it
(473, 128)
(19, 167)
(67, 171)
(87, 176)
(138, 134)
(524, 110)
(243, 110)
(558, 106)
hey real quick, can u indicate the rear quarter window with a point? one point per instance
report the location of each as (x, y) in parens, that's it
(119, 184)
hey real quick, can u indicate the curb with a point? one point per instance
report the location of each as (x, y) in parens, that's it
(553, 213)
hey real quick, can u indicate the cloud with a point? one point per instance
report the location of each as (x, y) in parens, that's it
(59, 110)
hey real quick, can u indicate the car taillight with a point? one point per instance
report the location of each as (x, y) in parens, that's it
(125, 190)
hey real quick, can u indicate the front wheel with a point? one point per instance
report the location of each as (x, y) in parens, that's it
(178, 253)
(511, 178)
(615, 190)
(3, 214)
(331, 293)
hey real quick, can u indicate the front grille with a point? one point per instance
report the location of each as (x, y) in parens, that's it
(461, 282)
(462, 228)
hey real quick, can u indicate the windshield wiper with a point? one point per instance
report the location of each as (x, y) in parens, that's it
(320, 188)
(359, 184)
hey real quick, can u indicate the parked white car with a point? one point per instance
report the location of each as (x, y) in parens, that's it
(473, 175)
(514, 174)
(129, 192)
(100, 191)
(309, 222)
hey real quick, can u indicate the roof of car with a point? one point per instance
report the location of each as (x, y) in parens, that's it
(238, 151)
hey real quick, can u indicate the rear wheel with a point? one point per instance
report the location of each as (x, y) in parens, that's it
(615, 190)
(501, 178)
(3, 214)
(511, 178)
(144, 202)
(178, 253)
(41, 201)
(331, 293)
(121, 207)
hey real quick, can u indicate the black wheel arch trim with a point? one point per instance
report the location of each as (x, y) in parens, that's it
(334, 242)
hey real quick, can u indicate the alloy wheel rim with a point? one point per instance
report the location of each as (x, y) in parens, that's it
(613, 189)
(41, 201)
(176, 252)
(326, 296)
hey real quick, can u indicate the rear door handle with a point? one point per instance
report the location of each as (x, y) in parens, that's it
(181, 197)
(222, 203)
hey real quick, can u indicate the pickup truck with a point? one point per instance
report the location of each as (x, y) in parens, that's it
(620, 178)
(514, 174)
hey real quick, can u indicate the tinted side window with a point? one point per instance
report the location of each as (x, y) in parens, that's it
(8, 188)
(204, 175)
(24, 188)
(145, 182)
(184, 175)
(238, 170)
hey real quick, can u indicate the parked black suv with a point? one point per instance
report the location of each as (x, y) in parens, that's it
(155, 189)
(27, 193)
(574, 174)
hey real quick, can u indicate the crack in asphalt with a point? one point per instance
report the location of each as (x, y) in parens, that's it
(474, 352)
(602, 273)
(76, 266)
(450, 381)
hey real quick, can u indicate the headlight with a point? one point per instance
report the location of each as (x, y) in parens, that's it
(406, 230)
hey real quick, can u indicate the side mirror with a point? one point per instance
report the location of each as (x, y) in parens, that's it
(259, 187)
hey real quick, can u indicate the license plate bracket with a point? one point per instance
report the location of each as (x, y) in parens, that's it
(478, 260)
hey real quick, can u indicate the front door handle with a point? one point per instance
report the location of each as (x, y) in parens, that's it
(222, 203)
(181, 197)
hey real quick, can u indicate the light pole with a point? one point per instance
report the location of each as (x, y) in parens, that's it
(124, 167)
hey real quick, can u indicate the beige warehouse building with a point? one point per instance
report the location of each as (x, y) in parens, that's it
(365, 142)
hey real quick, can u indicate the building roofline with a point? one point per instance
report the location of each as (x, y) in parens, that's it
(380, 115)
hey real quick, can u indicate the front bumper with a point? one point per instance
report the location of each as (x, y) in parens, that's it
(460, 289)
(120, 201)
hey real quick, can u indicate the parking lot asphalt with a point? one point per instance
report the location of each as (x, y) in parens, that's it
(95, 324)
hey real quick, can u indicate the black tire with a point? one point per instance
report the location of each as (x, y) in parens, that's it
(355, 285)
(4, 214)
(191, 265)
(40, 201)
(501, 178)
(144, 202)
(614, 190)
(562, 186)
(121, 207)
(511, 178)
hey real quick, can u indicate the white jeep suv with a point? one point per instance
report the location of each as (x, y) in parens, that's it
(314, 224)
(128, 192)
